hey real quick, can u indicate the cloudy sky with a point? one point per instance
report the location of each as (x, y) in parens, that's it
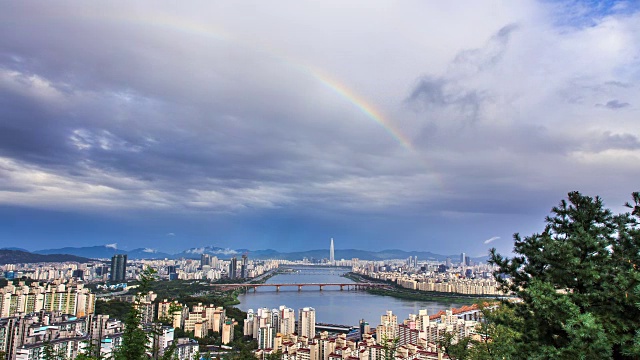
(422, 125)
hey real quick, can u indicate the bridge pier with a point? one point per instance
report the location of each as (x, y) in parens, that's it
(321, 286)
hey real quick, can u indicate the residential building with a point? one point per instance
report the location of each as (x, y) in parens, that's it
(307, 322)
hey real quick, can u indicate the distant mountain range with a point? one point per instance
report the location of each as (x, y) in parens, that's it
(107, 251)
(10, 256)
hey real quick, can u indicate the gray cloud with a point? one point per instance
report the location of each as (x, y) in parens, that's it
(451, 90)
(609, 141)
(476, 60)
(211, 111)
(615, 104)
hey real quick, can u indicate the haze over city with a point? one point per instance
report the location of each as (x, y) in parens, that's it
(435, 126)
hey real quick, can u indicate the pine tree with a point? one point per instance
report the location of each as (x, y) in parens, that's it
(575, 281)
(135, 341)
(389, 347)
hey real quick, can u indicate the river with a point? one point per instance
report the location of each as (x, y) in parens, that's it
(332, 305)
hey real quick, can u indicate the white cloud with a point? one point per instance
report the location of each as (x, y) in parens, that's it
(112, 246)
(226, 251)
(195, 251)
(490, 240)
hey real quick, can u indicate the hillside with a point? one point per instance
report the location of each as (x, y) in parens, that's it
(20, 257)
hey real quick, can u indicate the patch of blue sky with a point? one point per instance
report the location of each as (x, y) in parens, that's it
(587, 13)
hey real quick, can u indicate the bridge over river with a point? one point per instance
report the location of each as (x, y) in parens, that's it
(320, 286)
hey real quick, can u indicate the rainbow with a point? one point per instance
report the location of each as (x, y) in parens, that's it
(361, 104)
(177, 24)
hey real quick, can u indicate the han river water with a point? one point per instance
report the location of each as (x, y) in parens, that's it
(332, 305)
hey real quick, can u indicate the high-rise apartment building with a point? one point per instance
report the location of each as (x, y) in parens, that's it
(265, 337)
(69, 299)
(388, 328)
(287, 319)
(119, 268)
(227, 331)
(307, 322)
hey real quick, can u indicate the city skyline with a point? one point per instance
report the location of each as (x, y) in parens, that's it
(428, 126)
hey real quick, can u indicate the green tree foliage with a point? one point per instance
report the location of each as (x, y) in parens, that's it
(114, 308)
(453, 347)
(274, 356)
(92, 351)
(170, 352)
(244, 351)
(135, 341)
(389, 347)
(576, 283)
(493, 340)
(50, 353)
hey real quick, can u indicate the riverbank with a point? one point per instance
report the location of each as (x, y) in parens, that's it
(396, 291)
(263, 278)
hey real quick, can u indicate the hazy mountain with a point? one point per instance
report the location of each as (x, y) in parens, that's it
(107, 251)
(96, 252)
(18, 257)
(349, 254)
(14, 248)
(226, 253)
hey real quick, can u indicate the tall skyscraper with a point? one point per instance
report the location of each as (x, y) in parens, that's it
(243, 266)
(332, 258)
(205, 259)
(307, 322)
(233, 268)
(118, 268)
(463, 259)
